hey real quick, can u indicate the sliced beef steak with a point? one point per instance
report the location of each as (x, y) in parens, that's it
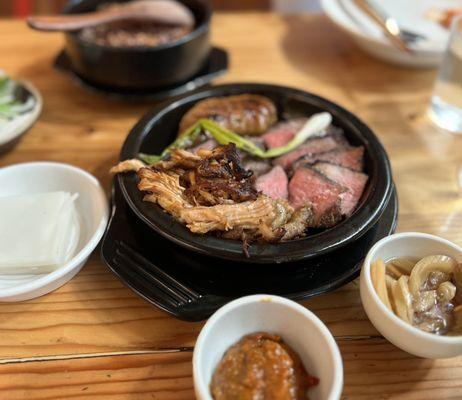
(309, 186)
(348, 157)
(274, 183)
(352, 180)
(311, 147)
(283, 132)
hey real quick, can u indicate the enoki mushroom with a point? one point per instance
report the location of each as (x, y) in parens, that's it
(425, 293)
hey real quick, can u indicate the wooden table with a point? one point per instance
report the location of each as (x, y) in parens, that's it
(95, 339)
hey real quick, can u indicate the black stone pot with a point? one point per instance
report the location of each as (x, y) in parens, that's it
(140, 67)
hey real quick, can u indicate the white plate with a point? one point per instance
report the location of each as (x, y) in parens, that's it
(10, 130)
(91, 205)
(413, 16)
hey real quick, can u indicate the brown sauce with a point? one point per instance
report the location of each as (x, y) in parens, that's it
(261, 366)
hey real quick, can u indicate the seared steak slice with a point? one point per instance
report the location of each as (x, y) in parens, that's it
(283, 132)
(245, 114)
(310, 187)
(351, 157)
(274, 183)
(311, 147)
(352, 180)
(348, 157)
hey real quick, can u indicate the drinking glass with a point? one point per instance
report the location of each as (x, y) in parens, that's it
(446, 103)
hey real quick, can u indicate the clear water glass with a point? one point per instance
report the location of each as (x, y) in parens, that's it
(446, 103)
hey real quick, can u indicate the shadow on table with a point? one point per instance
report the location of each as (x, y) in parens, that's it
(74, 118)
(376, 369)
(43, 73)
(319, 49)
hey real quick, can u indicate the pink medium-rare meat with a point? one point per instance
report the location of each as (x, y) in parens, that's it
(274, 183)
(351, 157)
(310, 147)
(208, 145)
(279, 137)
(348, 157)
(352, 180)
(283, 132)
(309, 186)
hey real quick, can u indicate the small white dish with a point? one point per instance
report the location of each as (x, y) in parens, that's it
(11, 131)
(368, 36)
(398, 332)
(297, 326)
(92, 207)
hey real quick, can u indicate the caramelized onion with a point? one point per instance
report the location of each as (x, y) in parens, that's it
(404, 265)
(446, 291)
(425, 266)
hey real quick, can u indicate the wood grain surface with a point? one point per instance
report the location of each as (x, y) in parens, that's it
(95, 339)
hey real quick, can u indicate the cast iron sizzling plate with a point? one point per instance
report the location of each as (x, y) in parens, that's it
(158, 128)
(215, 66)
(191, 286)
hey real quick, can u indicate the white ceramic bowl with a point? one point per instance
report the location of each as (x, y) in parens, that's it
(92, 207)
(297, 326)
(398, 332)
